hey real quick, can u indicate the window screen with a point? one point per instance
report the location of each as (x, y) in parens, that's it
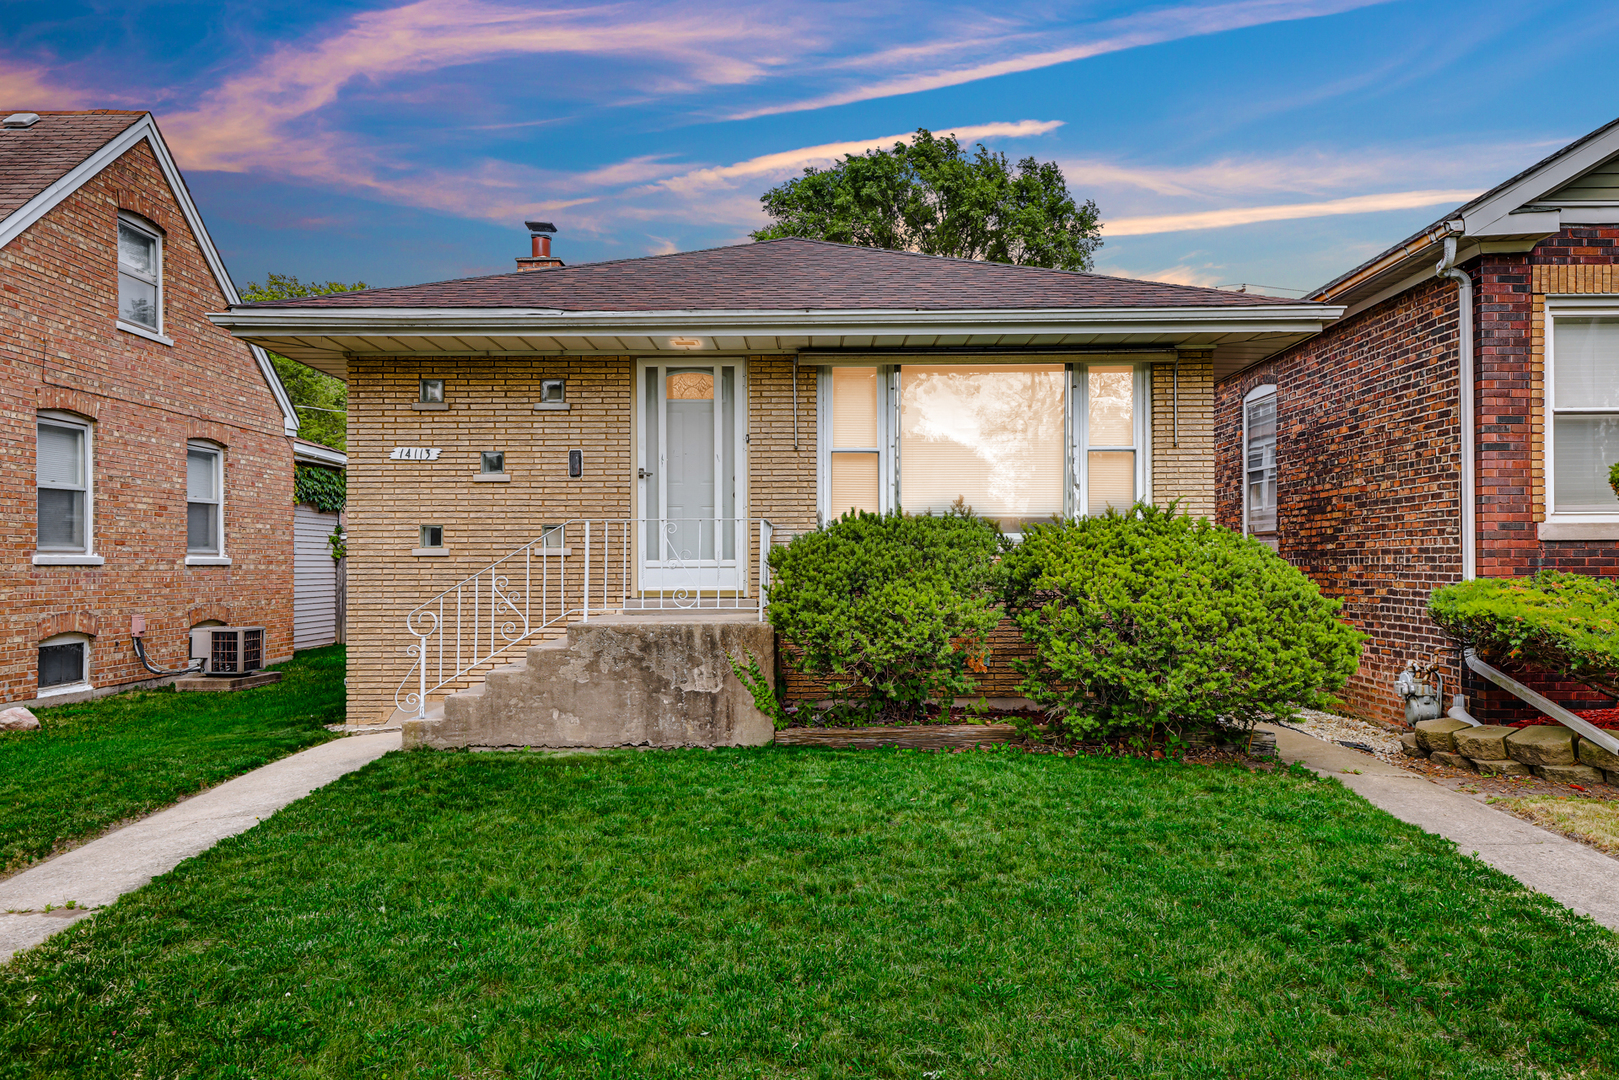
(62, 489)
(1585, 414)
(61, 664)
(989, 437)
(1260, 464)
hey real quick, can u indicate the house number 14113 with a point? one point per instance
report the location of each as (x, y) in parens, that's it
(414, 453)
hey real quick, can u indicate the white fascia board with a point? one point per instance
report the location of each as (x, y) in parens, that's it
(1542, 182)
(1538, 224)
(1279, 318)
(316, 454)
(145, 127)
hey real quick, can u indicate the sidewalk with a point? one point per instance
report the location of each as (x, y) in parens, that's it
(1581, 878)
(104, 869)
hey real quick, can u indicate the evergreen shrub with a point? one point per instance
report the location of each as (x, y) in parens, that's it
(887, 608)
(1564, 623)
(1148, 619)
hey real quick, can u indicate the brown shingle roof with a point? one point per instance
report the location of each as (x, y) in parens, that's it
(787, 275)
(34, 158)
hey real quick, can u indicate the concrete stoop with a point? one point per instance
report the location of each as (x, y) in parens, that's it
(618, 680)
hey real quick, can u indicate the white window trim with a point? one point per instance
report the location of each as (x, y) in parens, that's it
(65, 688)
(1267, 390)
(1075, 404)
(55, 557)
(209, 558)
(1569, 525)
(155, 333)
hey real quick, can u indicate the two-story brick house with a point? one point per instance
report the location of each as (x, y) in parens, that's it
(145, 455)
(1458, 421)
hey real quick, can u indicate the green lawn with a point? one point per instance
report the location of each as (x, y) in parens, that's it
(92, 765)
(808, 913)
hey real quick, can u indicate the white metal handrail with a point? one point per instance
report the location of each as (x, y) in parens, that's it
(512, 599)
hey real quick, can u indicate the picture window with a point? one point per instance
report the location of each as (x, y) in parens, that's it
(140, 275)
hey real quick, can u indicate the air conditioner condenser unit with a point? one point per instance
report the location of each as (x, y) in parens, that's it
(228, 650)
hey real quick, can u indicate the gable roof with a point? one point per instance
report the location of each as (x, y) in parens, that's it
(788, 275)
(1577, 184)
(43, 164)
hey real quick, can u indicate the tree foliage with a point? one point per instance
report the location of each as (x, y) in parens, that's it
(1148, 618)
(887, 608)
(932, 196)
(1563, 623)
(321, 401)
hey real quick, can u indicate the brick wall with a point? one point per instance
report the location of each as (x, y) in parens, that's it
(60, 350)
(1369, 451)
(491, 408)
(1184, 472)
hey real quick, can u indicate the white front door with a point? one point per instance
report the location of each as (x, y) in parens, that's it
(691, 447)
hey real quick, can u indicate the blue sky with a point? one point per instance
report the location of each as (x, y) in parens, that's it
(1277, 142)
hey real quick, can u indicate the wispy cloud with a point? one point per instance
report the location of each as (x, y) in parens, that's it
(27, 86)
(1131, 32)
(1248, 215)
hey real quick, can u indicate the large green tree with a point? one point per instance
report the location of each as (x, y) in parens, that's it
(932, 196)
(322, 401)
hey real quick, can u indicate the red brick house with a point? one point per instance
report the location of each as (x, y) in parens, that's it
(1458, 421)
(145, 455)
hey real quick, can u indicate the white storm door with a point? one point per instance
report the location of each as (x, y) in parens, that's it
(691, 445)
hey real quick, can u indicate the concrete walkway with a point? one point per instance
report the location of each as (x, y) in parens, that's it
(1581, 878)
(104, 869)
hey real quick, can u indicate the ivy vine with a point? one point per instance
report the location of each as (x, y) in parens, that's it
(324, 489)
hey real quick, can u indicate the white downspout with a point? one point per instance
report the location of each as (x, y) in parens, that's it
(1464, 345)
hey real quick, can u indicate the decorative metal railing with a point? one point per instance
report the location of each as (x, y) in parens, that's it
(549, 582)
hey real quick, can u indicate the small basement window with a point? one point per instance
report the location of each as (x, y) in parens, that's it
(553, 394)
(432, 536)
(64, 664)
(431, 391)
(493, 461)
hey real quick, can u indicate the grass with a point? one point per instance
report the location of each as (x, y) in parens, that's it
(1594, 821)
(804, 913)
(98, 763)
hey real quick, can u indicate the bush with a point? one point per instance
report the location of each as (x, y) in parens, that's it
(1566, 623)
(888, 608)
(1147, 618)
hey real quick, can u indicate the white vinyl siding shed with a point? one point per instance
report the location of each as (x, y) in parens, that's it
(314, 579)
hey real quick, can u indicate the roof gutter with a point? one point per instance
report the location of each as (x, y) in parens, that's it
(1464, 346)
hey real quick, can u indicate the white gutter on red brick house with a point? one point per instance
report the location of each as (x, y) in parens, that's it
(1469, 422)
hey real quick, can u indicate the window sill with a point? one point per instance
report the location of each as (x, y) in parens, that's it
(491, 478)
(1575, 529)
(551, 406)
(56, 691)
(207, 560)
(428, 552)
(431, 406)
(141, 331)
(68, 559)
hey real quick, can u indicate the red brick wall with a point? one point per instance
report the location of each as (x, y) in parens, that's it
(60, 349)
(1368, 463)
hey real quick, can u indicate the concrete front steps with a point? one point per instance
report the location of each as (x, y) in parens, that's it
(641, 679)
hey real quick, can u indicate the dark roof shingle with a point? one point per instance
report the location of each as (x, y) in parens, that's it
(787, 275)
(33, 158)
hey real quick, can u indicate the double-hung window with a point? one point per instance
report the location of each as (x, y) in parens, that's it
(1259, 462)
(1014, 442)
(63, 471)
(140, 276)
(1583, 400)
(205, 503)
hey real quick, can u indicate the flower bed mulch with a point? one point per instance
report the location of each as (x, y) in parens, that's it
(1602, 718)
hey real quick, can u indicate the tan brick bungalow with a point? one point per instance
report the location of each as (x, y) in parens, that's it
(658, 416)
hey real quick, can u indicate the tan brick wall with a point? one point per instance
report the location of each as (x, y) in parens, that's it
(1184, 471)
(60, 349)
(491, 408)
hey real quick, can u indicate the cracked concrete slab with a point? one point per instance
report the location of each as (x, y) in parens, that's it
(106, 868)
(1579, 877)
